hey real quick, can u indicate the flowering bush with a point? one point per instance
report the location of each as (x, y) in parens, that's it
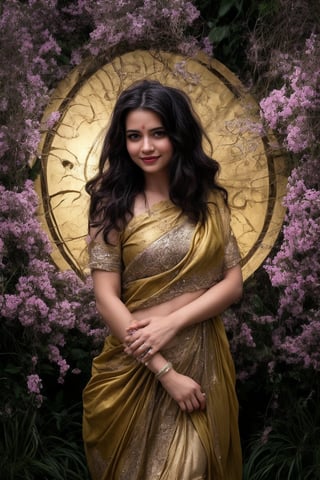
(278, 325)
(44, 307)
(28, 56)
(295, 270)
(293, 109)
(131, 24)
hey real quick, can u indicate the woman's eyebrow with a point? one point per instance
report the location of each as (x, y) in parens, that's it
(142, 128)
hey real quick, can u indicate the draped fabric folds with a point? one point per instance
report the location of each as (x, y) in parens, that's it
(132, 429)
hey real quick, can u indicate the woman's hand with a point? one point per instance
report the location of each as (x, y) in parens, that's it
(184, 390)
(148, 336)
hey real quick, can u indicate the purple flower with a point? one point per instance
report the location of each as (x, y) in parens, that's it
(34, 383)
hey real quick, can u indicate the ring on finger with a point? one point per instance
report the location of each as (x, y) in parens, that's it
(148, 350)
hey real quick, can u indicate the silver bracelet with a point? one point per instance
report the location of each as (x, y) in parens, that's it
(165, 369)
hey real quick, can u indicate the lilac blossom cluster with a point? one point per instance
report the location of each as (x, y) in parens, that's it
(242, 343)
(266, 334)
(295, 270)
(293, 111)
(139, 24)
(28, 56)
(47, 303)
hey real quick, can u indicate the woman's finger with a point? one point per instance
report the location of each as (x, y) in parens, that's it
(135, 343)
(133, 327)
(189, 405)
(183, 406)
(145, 355)
(202, 400)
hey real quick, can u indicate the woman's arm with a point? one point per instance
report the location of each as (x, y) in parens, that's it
(107, 287)
(212, 302)
(157, 332)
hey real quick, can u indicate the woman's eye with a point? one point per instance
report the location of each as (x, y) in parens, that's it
(133, 136)
(160, 133)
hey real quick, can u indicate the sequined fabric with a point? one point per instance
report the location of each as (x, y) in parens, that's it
(104, 257)
(132, 428)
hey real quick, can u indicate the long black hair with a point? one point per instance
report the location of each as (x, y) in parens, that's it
(192, 173)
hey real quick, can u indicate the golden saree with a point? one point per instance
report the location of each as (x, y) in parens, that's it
(133, 430)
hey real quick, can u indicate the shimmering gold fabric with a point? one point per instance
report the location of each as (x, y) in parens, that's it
(132, 428)
(104, 257)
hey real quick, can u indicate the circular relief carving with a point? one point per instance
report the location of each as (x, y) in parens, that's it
(253, 174)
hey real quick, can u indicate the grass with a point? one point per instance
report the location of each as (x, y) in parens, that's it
(292, 448)
(48, 447)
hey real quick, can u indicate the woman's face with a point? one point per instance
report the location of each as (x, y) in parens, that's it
(148, 143)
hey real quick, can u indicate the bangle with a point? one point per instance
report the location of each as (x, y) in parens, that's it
(165, 369)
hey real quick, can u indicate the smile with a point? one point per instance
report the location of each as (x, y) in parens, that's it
(149, 159)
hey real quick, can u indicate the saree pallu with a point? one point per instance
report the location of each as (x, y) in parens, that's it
(132, 429)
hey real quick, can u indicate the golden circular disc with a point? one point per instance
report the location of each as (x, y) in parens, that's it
(253, 175)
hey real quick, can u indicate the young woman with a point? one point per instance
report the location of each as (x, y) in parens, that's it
(161, 403)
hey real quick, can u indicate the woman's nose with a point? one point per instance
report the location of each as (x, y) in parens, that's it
(147, 145)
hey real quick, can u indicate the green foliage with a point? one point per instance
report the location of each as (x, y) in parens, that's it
(229, 23)
(220, 28)
(290, 448)
(42, 445)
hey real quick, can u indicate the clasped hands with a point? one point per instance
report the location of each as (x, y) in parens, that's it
(148, 336)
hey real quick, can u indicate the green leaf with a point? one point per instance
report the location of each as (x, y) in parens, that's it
(225, 7)
(79, 353)
(217, 34)
(13, 369)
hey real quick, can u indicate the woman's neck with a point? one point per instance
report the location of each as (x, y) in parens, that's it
(156, 187)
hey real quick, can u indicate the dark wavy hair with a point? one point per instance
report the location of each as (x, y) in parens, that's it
(192, 173)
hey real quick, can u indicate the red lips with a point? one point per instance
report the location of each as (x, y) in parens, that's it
(149, 159)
